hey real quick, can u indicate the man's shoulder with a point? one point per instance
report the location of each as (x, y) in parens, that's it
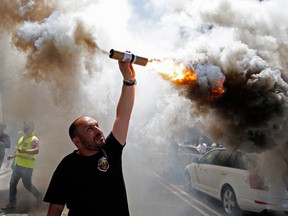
(68, 159)
(34, 137)
(72, 154)
(112, 141)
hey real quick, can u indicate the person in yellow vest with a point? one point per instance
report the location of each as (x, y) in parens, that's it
(23, 166)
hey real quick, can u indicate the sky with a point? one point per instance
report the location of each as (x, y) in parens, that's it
(55, 67)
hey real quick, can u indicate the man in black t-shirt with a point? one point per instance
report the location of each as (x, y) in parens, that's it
(89, 181)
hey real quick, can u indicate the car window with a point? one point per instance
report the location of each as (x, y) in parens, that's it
(222, 158)
(240, 161)
(209, 157)
(232, 160)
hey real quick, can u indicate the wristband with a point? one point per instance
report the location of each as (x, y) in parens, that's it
(129, 82)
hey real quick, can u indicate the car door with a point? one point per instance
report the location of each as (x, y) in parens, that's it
(202, 169)
(216, 172)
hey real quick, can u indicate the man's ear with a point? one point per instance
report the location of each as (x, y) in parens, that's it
(76, 141)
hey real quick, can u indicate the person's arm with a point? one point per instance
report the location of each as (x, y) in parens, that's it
(5, 141)
(33, 150)
(55, 210)
(125, 104)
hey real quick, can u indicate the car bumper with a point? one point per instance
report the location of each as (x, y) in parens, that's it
(261, 205)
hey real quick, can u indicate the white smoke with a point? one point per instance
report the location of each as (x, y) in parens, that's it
(55, 67)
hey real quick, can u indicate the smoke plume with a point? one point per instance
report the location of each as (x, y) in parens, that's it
(55, 67)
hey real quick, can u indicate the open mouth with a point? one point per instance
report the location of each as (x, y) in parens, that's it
(99, 136)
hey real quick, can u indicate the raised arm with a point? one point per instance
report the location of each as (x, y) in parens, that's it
(126, 102)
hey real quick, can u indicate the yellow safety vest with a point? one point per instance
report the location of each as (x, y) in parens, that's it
(24, 159)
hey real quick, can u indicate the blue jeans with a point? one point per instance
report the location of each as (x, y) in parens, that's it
(26, 175)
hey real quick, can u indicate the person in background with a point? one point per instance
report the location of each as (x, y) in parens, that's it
(89, 181)
(214, 145)
(202, 147)
(23, 166)
(4, 142)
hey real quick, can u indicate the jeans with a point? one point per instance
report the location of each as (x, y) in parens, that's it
(26, 175)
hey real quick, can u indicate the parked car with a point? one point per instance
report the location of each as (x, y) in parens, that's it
(223, 174)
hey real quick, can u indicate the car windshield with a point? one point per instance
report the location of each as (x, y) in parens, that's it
(209, 157)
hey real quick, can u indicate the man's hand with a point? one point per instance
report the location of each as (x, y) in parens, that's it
(9, 157)
(21, 150)
(127, 70)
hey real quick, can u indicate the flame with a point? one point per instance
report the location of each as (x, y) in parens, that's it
(180, 75)
(175, 72)
(217, 91)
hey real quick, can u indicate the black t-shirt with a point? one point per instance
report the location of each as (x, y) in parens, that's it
(86, 188)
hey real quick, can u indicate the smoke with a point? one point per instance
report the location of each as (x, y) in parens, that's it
(253, 64)
(252, 107)
(55, 67)
(251, 53)
(14, 13)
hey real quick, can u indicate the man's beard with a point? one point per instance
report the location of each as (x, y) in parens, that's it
(91, 145)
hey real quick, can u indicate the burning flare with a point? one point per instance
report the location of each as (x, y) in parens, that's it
(206, 81)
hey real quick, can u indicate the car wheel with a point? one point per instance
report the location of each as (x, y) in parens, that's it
(187, 183)
(229, 202)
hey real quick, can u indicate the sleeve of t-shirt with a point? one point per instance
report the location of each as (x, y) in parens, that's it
(112, 144)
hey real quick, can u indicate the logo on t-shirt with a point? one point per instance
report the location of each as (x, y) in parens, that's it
(103, 164)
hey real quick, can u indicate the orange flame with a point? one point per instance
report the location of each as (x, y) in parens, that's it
(179, 74)
(217, 91)
(175, 72)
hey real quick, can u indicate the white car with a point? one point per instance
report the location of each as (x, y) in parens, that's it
(222, 174)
